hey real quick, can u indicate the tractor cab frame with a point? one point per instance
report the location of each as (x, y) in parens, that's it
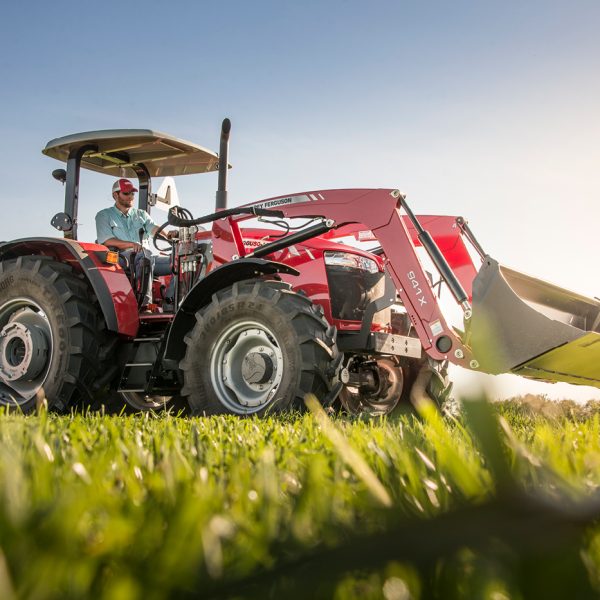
(130, 153)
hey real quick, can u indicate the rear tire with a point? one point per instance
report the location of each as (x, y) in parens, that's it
(258, 348)
(49, 344)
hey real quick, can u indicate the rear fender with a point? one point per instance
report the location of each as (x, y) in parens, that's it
(109, 283)
(200, 295)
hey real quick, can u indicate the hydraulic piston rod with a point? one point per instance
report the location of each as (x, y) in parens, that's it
(438, 259)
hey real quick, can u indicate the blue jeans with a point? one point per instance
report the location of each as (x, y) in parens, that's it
(159, 265)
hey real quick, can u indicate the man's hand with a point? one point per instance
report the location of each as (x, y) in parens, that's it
(136, 247)
(166, 235)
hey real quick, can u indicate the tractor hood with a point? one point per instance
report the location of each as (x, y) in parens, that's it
(119, 151)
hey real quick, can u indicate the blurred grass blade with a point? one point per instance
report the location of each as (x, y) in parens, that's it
(7, 591)
(483, 423)
(352, 458)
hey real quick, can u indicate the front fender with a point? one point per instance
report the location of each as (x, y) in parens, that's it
(200, 295)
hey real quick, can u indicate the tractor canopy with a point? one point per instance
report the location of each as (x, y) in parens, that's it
(120, 152)
(139, 153)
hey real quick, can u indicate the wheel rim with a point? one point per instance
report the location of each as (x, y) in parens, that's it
(246, 367)
(381, 403)
(25, 350)
(143, 402)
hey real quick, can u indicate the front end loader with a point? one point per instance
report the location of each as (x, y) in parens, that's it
(393, 327)
(327, 294)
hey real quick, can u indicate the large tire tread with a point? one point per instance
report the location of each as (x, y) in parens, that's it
(318, 353)
(82, 323)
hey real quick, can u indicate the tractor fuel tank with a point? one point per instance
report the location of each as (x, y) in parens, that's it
(532, 328)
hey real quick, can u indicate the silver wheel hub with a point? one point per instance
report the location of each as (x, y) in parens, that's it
(23, 351)
(258, 368)
(246, 367)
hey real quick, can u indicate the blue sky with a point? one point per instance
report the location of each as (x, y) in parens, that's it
(484, 109)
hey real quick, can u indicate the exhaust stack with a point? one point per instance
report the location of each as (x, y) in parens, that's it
(221, 198)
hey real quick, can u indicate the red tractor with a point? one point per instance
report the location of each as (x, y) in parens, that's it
(264, 315)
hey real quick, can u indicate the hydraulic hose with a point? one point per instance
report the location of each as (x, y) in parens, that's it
(177, 221)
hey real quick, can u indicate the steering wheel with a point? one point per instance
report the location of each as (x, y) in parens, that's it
(156, 237)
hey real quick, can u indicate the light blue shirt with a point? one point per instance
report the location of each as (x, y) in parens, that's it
(112, 223)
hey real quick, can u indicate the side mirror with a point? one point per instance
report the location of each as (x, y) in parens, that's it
(62, 222)
(60, 175)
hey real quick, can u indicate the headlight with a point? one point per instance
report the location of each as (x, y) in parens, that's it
(352, 261)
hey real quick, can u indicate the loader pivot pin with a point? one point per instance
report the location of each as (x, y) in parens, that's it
(443, 343)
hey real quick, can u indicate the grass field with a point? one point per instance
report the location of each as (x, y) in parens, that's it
(499, 503)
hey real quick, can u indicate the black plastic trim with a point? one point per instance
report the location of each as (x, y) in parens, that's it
(72, 186)
(145, 185)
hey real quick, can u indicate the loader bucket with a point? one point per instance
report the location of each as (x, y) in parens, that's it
(532, 328)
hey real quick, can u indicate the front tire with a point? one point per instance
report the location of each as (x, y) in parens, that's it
(258, 347)
(48, 334)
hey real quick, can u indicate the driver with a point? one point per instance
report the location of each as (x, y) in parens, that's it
(125, 227)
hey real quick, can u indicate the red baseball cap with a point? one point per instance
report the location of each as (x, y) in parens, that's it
(123, 185)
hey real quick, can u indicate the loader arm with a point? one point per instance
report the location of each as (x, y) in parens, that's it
(513, 323)
(446, 230)
(378, 211)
